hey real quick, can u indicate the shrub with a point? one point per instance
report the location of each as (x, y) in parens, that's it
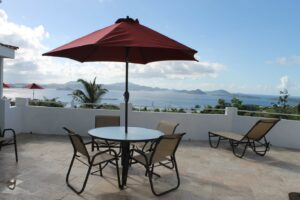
(46, 103)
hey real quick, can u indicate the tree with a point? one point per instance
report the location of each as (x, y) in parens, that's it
(91, 94)
(283, 98)
(235, 102)
(221, 104)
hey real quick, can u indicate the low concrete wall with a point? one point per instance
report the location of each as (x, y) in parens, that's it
(46, 120)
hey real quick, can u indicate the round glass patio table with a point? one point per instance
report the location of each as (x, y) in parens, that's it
(117, 134)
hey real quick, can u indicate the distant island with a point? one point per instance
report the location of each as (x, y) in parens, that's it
(72, 85)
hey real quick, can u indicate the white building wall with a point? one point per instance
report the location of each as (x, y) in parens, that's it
(49, 120)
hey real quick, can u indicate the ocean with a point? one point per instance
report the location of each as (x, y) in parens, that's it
(160, 99)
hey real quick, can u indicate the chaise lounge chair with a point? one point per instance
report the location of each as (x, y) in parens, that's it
(255, 138)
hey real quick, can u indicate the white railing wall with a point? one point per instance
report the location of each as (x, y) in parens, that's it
(50, 120)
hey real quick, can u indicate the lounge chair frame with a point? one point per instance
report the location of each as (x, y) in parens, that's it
(259, 145)
(9, 141)
(90, 162)
(150, 164)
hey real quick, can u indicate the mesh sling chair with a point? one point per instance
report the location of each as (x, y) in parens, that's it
(5, 141)
(166, 127)
(90, 159)
(164, 148)
(255, 138)
(104, 121)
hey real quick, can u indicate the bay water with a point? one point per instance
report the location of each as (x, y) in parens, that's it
(161, 99)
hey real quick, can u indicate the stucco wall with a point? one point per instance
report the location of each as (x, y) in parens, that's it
(46, 120)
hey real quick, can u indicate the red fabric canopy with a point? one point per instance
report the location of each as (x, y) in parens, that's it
(125, 41)
(34, 86)
(6, 85)
(109, 44)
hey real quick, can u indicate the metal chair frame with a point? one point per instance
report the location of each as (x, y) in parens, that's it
(150, 165)
(107, 144)
(169, 161)
(254, 144)
(90, 162)
(9, 141)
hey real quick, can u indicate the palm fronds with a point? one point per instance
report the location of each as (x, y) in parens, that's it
(91, 94)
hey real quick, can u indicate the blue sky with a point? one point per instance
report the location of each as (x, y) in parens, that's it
(248, 46)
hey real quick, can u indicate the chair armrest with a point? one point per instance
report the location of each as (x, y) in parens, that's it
(106, 151)
(10, 130)
(139, 152)
(90, 142)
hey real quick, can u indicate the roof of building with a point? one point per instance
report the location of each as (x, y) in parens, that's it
(9, 46)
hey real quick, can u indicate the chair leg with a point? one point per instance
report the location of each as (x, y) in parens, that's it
(265, 145)
(93, 144)
(85, 180)
(150, 175)
(210, 135)
(118, 173)
(100, 169)
(235, 145)
(16, 150)
(166, 164)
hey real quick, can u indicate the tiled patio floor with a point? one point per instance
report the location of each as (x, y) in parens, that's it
(205, 173)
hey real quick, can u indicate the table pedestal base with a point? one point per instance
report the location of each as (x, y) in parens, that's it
(125, 162)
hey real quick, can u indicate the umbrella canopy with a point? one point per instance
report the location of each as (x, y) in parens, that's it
(125, 41)
(33, 86)
(5, 85)
(110, 43)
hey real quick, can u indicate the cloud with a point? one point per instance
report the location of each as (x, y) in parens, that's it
(30, 66)
(284, 81)
(284, 61)
(177, 70)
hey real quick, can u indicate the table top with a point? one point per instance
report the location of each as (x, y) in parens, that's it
(117, 133)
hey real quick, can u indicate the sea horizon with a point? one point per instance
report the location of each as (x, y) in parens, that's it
(155, 99)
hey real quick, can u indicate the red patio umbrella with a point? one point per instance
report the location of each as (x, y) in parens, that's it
(33, 86)
(5, 85)
(125, 41)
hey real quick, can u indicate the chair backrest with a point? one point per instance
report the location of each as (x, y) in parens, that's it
(103, 121)
(165, 146)
(261, 128)
(167, 127)
(77, 143)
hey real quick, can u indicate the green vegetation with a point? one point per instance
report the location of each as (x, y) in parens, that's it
(146, 109)
(91, 95)
(281, 108)
(47, 102)
(108, 107)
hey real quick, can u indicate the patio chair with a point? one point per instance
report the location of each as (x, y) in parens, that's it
(255, 138)
(90, 159)
(104, 121)
(166, 127)
(164, 148)
(5, 141)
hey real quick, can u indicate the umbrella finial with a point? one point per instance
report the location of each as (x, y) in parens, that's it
(127, 19)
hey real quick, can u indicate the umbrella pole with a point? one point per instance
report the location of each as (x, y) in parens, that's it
(126, 94)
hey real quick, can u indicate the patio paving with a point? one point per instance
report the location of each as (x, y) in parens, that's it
(205, 173)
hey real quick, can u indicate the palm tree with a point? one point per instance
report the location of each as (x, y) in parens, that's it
(91, 94)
